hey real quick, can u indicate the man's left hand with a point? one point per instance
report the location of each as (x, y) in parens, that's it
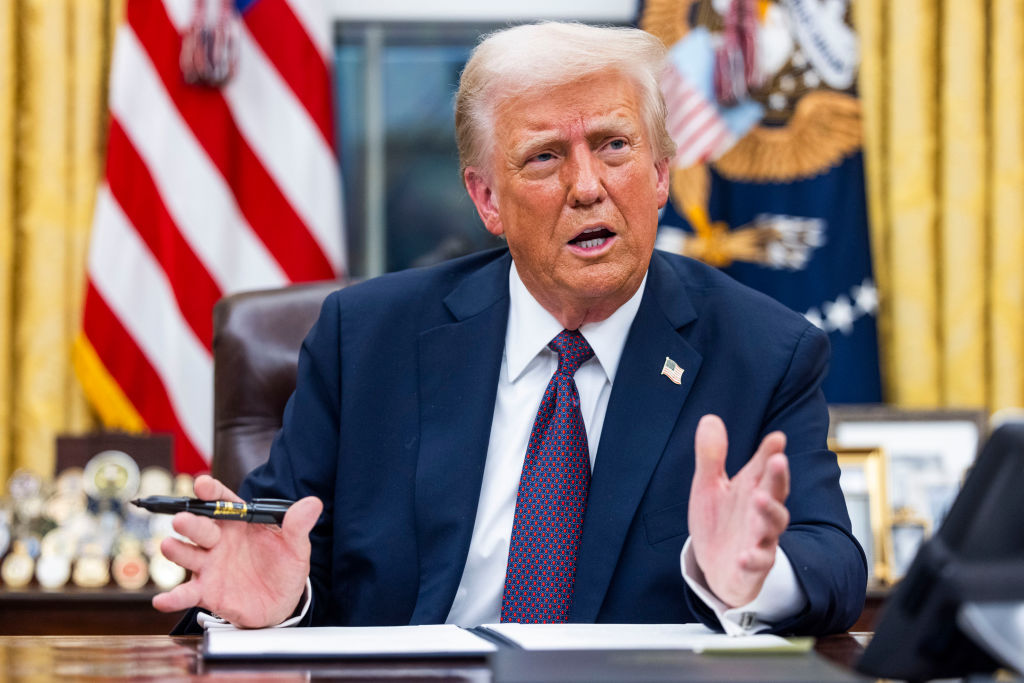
(735, 523)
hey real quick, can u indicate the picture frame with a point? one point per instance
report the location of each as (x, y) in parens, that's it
(863, 481)
(926, 454)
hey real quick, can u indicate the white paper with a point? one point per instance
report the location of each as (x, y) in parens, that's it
(344, 642)
(696, 637)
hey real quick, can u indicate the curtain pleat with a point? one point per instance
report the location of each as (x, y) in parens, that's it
(943, 91)
(52, 116)
(869, 18)
(962, 211)
(1006, 205)
(912, 112)
(40, 232)
(90, 66)
(8, 100)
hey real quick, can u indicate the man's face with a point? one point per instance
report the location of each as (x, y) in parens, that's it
(574, 186)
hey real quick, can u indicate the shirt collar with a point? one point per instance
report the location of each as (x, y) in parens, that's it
(531, 327)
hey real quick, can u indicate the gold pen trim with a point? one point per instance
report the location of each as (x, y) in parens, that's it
(227, 509)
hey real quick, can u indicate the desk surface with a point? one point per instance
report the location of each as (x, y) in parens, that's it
(163, 657)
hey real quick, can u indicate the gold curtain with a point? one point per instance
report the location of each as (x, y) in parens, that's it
(54, 60)
(942, 84)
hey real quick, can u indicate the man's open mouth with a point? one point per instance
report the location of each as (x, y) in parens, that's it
(592, 238)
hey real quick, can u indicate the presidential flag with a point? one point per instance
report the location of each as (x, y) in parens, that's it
(768, 180)
(221, 176)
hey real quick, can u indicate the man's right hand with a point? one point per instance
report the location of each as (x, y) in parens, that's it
(252, 575)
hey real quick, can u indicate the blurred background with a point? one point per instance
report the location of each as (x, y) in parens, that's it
(861, 161)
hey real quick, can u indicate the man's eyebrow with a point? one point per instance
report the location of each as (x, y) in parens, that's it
(611, 126)
(537, 141)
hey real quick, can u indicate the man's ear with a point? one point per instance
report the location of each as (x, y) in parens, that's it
(663, 168)
(484, 199)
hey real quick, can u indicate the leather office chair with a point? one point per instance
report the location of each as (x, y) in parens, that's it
(256, 340)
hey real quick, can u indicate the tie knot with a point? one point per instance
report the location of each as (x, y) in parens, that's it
(572, 349)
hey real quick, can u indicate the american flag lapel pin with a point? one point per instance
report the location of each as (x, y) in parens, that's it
(672, 370)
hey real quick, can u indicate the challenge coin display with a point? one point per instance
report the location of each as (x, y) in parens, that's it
(16, 570)
(155, 481)
(26, 489)
(53, 571)
(76, 528)
(5, 532)
(58, 542)
(57, 550)
(59, 507)
(184, 485)
(130, 568)
(70, 482)
(165, 574)
(24, 484)
(111, 475)
(92, 569)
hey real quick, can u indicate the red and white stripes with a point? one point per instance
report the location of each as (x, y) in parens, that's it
(207, 192)
(693, 122)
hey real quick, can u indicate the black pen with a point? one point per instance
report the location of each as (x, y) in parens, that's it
(258, 511)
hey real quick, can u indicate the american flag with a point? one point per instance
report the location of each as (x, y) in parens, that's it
(209, 190)
(703, 131)
(672, 370)
(693, 122)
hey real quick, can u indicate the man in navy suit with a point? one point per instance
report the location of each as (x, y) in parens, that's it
(417, 394)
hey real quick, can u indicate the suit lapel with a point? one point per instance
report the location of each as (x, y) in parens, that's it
(642, 411)
(458, 372)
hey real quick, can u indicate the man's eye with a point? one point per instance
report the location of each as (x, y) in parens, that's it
(617, 144)
(543, 156)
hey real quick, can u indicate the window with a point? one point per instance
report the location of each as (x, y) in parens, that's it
(405, 204)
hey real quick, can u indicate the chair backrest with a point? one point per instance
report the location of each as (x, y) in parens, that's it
(256, 340)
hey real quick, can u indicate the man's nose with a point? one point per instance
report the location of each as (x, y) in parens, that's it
(586, 183)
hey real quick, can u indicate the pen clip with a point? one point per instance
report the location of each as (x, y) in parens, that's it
(271, 501)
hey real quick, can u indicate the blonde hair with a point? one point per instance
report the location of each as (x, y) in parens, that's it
(535, 57)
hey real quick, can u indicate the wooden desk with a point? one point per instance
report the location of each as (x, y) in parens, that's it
(163, 657)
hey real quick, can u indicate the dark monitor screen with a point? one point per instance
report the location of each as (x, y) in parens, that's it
(976, 556)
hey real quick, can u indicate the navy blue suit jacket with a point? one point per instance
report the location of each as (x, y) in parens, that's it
(390, 420)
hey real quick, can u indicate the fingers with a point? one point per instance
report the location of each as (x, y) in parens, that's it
(182, 596)
(208, 488)
(202, 531)
(775, 481)
(711, 445)
(753, 471)
(183, 554)
(758, 561)
(772, 518)
(301, 517)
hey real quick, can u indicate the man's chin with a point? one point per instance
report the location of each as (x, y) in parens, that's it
(599, 283)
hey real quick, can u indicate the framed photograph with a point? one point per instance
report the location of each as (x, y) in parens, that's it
(926, 454)
(863, 481)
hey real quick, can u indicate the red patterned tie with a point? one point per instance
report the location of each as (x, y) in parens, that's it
(552, 497)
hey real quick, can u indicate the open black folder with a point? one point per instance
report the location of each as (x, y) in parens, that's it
(449, 641)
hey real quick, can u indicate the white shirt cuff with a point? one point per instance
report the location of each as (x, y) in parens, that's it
(208, 621)
(781, 596)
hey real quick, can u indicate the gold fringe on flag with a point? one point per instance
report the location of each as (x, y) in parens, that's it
(105, 394)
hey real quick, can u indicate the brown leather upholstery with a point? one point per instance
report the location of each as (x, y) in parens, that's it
(256, 340)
